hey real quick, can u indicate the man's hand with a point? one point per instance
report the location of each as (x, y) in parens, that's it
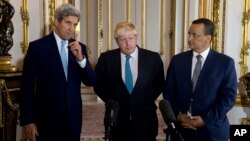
(197, 121)
(30, 132)
(192, 122)
(76, 49)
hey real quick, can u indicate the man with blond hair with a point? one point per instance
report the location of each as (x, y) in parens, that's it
(133, 77)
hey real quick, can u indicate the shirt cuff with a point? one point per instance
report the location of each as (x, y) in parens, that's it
(82, 63)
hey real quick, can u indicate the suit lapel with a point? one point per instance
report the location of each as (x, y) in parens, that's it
(142, 64)
(208, 64)
(188, 66)
(55, 56)
(116, 59)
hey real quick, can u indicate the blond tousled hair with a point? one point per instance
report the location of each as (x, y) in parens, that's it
(123, 27)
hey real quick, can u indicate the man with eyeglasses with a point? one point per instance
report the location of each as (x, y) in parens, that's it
(201, 85)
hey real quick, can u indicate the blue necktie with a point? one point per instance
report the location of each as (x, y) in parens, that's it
(128, 75)
(64, 58)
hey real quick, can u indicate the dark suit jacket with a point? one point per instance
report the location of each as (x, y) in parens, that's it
(47, 99)
(141, 103)
(214, 94)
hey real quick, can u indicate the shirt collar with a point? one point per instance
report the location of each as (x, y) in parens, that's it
(58, 39)
(203, 54)
(133, 55)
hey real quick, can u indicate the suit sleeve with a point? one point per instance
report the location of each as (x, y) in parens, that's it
(100, 86)
(88, 75)
(159, 77)
(169, 87)
(226, 95)
(27, 91)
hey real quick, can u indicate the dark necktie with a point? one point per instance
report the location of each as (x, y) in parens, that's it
(197, 71)
(64, 58)
(128, 75)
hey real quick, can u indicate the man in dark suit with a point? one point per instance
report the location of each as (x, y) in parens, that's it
(137, 119)
(201, 106)
(50, 100)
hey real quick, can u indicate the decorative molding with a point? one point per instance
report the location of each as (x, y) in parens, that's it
(216, 20)
(244, 75)
(143, 25)
(128, 10)
(163, 26)
(204, 10)
(215, 10)
(71, 1)
(243, 87)
(185, 25)
(25, 19)
(52, 7)
(87, 29)
(1, 4)
(172, 27)
(109, 24)
(2, 84)
(100, 27)
(223, 26)
(245, 121)
(6, 98)
(245, 41)
(44, 18)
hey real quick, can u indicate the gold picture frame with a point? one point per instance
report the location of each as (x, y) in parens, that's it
(25, 19)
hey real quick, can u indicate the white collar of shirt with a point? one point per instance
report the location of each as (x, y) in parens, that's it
(203, 54)
(58, 42)
(133, 55)
(194, 60)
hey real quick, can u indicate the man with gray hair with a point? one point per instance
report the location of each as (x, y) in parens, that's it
(54, 67)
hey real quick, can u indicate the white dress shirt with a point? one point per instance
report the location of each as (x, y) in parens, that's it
(133, 65)
(58, 41)
(203, 59)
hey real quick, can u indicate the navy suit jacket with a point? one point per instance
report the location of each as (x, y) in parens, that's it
(213, 96)
(141, 103)
(47, 98)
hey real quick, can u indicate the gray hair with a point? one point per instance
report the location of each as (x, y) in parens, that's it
(65, 10)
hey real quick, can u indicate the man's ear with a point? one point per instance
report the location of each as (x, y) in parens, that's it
(209, 38)
(56, 22)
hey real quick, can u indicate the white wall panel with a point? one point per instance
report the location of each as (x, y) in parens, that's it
(16, 51)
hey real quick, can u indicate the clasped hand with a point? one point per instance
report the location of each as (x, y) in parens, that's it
(191, 122)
